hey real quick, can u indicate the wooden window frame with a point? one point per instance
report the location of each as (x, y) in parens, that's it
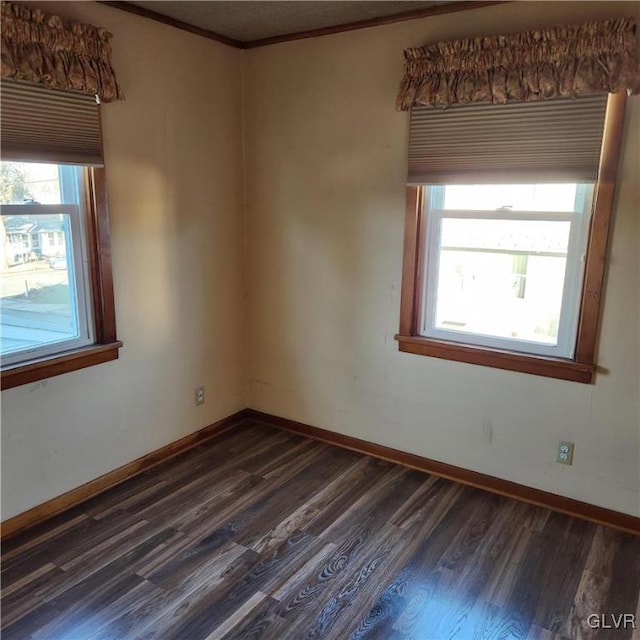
(582, 367)
(106, 344)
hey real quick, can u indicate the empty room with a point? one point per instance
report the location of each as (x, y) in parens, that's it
(320, 320)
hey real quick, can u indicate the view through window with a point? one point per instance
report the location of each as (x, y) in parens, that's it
(504, 265)
(44, 279)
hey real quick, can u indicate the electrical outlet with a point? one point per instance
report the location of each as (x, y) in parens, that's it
(565, 452)
(199, 396)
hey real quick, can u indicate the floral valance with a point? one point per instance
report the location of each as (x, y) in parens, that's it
(535, 65)
(47, 50)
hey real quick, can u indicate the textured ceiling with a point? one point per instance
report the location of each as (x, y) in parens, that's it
(247, 20)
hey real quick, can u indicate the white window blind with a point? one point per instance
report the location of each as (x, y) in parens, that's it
(45, 125)
(547, 141)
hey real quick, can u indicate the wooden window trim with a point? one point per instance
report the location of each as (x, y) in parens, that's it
(580, 369)
(106, 344)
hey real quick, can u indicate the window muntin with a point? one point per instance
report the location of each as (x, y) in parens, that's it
(506, 277)
(46, 298)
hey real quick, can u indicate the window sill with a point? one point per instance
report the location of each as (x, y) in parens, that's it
(522, 362)
(17, 375)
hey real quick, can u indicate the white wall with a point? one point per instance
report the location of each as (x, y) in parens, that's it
(326, 162)
(174, 182)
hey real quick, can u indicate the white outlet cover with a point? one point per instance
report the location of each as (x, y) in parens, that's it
(565, 452)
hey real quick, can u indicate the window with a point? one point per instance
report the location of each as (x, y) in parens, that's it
(45, 287)
(56, 303)
(504, 265)
(507, 272)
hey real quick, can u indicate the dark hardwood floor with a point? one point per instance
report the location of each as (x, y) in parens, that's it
(267, 535)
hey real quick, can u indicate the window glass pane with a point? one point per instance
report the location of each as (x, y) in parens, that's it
(502, 278)
(516, 197)
(22, 182)
(37, 282)
(43, 268)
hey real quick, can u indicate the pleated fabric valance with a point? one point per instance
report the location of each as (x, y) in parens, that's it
(567, 61)
(49, 51)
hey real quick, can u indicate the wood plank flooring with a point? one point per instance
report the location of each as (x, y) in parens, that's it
(264, 534)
